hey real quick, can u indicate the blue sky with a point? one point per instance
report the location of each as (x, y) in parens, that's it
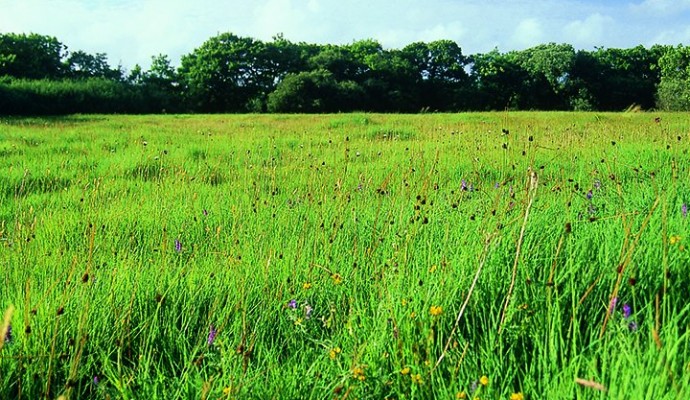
(131, 31)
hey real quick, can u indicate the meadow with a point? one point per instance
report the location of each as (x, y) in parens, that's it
(346, 256)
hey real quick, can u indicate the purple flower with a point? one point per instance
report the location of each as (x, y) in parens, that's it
(632, 326)
(178, 245)
(590, 195)
(497, 185)
(463, 185)
(307, 311)
(684, 210)
(212, 332)
(612, 306)
(626, 311)
(8, 334)
(95, 380)
(292, 304)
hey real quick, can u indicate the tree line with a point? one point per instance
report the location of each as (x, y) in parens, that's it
(229, 73)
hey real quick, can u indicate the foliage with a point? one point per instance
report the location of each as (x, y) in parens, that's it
(674, 88)
(230, 73)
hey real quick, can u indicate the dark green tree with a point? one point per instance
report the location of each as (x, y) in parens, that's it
(674, 87)
(31, 56)
(81, 65)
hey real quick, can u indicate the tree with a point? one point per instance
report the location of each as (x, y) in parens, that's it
(619, 78)
(31, 56)
(81, 65)
(549, 68)
(440, 73)
(498, 80)
(314, 91)
(226, 73)
(674, 89)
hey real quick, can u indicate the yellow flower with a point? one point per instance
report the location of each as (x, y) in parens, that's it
(417, 378)
(334, 353)
(484, 380)
(226, 390)
(436, 311)
(432, 269)
(298, 321)
(403, 302)
(306, 285)
(460, 395)
(413, 315)
(517, 396)
(674, 239)
(337, 279)
(405, 371)
(358, 373)
(523, 306)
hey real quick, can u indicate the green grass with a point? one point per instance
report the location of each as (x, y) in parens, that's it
(365, 222)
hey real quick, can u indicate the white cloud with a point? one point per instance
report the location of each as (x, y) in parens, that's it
(131, 31)
(528, 33)
(661, 7)
(590, 31)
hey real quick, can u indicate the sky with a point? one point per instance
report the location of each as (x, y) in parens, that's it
(132, 31)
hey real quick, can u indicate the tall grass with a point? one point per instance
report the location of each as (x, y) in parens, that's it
(346, 256)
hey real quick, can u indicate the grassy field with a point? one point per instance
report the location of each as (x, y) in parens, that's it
(492, 256)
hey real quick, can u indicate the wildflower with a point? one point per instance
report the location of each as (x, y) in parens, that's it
(590, 195)
(612, 305)
(96, 380)
(226, 390)
(626, 311)
(413, 315)
(307, 311)
(517, 396)
(461, 395)
(205, 212)
(337, 279)
(632, 326)
(496, 186)
(292, 304)
(597, 186)
(436, 310)
(463, 185)
(433, 269)
(684, 210)
(403, 302)
(306, 285)
(405, 371)
(178, 245)
(333, 353)
(8, 334)
(298, 322)
(417, 378)
(674, 239)
(212, 332)
(473, 386)
(484, 380)
(358, 373)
